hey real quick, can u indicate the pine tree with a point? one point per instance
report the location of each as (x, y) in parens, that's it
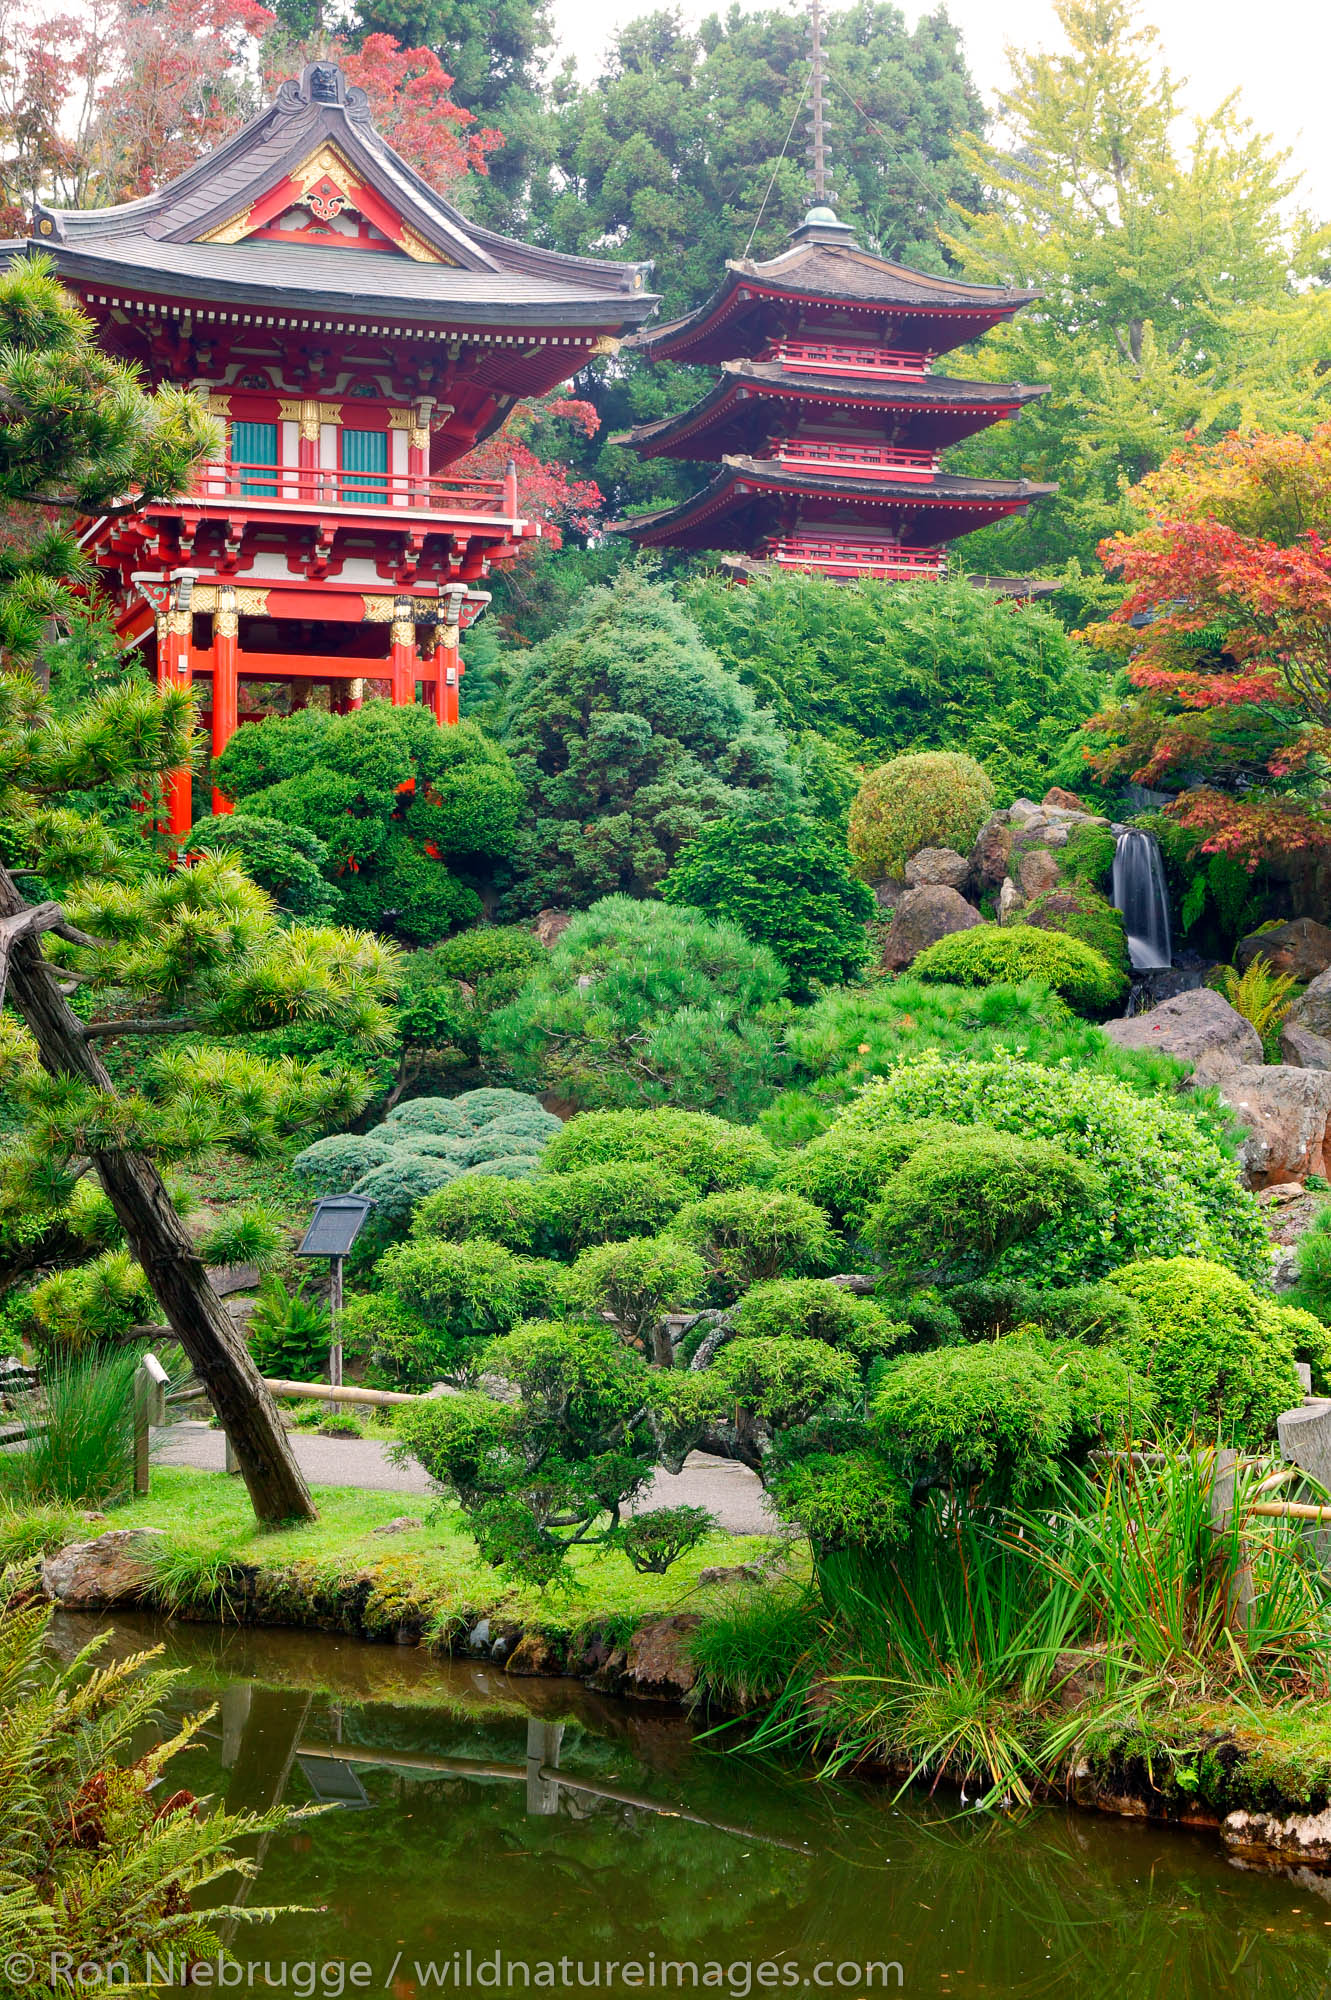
(164, 951)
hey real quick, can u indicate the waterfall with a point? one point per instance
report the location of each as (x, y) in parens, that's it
(1142, 900)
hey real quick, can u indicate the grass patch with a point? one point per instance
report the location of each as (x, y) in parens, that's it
(433, 1571)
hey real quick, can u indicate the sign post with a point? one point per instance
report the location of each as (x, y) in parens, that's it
(336, 1223)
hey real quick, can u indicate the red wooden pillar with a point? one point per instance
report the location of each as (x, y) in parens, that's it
(403, 661)
(173, 671)
(355, 695)
(226, 681)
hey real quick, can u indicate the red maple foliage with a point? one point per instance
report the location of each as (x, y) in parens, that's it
(408, 91)
(1226, 627)
(547, 490)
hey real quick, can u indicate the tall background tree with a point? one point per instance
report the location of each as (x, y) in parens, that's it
(1170, 270)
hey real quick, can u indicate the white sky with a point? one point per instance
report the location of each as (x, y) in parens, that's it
(1277, 51)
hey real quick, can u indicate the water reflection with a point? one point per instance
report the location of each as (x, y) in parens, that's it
(474, 1812)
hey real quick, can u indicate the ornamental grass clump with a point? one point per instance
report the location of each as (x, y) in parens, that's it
(1164, 1185)
(990, 956)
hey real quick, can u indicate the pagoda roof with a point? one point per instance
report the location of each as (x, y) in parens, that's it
(196, 236)
(742, 481)
(668, 436)
(828, 273)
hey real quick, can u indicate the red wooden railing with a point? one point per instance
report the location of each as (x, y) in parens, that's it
(853, 557)
(328, 486)
(846, 357)
(887, 460)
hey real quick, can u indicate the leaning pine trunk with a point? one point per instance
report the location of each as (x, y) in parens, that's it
(159, 1240)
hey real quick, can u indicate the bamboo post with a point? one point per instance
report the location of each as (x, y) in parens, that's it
(1224, 1500)
(150, 1379)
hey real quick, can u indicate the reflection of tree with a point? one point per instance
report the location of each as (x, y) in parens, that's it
(1052, 1907)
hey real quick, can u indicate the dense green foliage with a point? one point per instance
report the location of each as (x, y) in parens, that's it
(285, 859)
(967, 1194)
(636, 1282)
(787, 884)
(988, 956)
(628, 737)
(885, 669)
(706, 1152)
(447, 994)
(412, 815)
(751, 1234)
(939, 798)
(641, 1004)
(1084, 914)
(556, 1215)
(1165, 1187)
(1217, 1355)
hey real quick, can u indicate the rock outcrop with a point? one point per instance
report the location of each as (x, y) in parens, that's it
(1200, 1028)
(938, 866)
(921, 918)
(115, 1569)
(1312, 1009)
(1286, 1112)
(1302, 1049)
(1300, 948)
(659, 1662)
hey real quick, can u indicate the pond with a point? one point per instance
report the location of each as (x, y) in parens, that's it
(503, 1836)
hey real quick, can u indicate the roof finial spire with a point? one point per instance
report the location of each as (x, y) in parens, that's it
(818, 125)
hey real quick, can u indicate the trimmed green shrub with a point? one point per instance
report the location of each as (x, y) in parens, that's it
(507, 1212)
(939, 798)
(509, 1166)
(637, 1282)
(845, 1177)
(1092, 919)
(285, 860)
(817, 1309)
(847, 1500)
(408, 811)
(333, 1165)
(424, 1114)
(1001, 1415)
(783, 1383)
(397, 1187)
(708, 1153)
(990, 956)
(749, 1234)
(1165, 1186)
(488, 1105)
(490, 1144)
(964, 1197)
(1217, 1355)
(628, 737)
(463, 1293)
(446, 994)
(639, 1004)
(787, 884)
(1097, 1315)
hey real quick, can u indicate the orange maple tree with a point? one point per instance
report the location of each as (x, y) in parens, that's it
(1225, 632)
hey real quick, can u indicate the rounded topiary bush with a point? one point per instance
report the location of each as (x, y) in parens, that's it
(398, 1186)
(488, 1105)
(817, 1309)
(939, 798)
(990, 956)
(846, 1177)
(333, 1165)
(1217, 1355)
(750, 1234)
(425, 1114)
(959, 1201)
(509, 1166)
(709, 1153)
(489, 1144)
(1165, 1186)
(1091, 918)
(529, 1121)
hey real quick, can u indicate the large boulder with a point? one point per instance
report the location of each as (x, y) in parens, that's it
(1312, 1009)
(1199, 1027)
(1301, 948)
(1038, 872)
(921, 918)
(1301, 1048)
(1289, 1211)
(1063, 801)
(1286, 1112)
(937, 865)
(116, 1569)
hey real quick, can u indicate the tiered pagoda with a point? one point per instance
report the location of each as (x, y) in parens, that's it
(825, 415)
(355, 335)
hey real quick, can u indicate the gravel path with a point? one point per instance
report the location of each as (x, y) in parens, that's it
(729, 1491)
